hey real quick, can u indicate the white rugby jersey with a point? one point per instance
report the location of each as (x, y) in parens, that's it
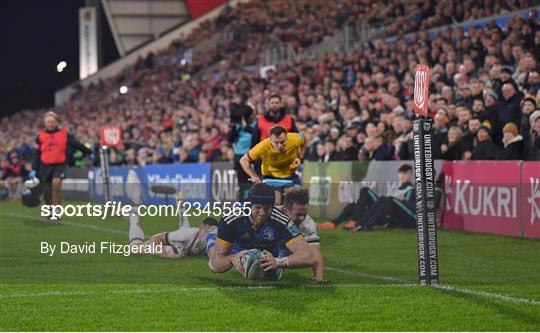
(308, 228)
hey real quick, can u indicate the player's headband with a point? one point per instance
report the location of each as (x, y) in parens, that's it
(262, 199)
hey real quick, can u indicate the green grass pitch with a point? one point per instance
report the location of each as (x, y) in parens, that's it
(489, 283)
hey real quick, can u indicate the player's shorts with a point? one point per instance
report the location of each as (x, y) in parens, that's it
(47, 172)
(281, 182)
(180, 240)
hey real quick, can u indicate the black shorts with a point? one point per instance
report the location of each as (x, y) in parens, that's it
(47, 172)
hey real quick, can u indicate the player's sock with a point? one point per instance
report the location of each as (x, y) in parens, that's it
(135, 230)
(184, 222)
(182, 219)
(210, 240)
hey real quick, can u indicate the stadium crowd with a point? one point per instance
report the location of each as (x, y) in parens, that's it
(484, 90)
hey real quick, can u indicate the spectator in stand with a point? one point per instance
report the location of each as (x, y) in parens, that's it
(346, 150)
(532, 81)
(513, 143)
(375, 149)
(453, 149)
(485, 148)
(527, 108)
(440, 132)
(14, 174)
(320, 153)
(486, 116)
(329, 151)
(464, 115)
(532, 140)
(509, 109)
(312, 141)
(469, 138)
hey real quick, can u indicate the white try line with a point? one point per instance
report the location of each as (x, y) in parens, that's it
(187, 289)
(442, 287)
(400, 281)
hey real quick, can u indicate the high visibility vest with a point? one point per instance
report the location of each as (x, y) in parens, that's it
(265, 125)
(53, 146)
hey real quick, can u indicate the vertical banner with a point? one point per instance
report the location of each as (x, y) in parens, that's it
(88, 42)
(428, 262)
(426, 218)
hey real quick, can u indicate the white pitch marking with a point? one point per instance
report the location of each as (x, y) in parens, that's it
(443, 287)
(143, 291)
(74, 224)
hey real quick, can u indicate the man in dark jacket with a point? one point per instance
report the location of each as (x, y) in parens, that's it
(468, 139)
(491, 113)
(375, 149)
(440, 132)
(527, 108)
(509, 109)
(346, 150)
(487, 115)
(485, 149)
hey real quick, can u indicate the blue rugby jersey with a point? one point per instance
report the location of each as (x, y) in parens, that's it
(278, 232)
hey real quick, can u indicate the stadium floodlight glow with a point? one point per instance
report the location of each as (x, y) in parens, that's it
(123, 89)
(61, 66)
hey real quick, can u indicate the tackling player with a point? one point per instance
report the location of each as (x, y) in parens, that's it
(185, 241)
(266, 229)
(295, 206)
(280, 154)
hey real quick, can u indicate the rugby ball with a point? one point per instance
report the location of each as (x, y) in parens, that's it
(252, 265)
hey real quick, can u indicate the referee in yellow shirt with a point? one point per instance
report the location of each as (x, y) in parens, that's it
(281, 153)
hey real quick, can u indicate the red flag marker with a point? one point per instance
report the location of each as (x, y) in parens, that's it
(111, 136)
(421, 91)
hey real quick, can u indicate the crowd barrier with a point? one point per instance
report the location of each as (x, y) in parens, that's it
(497, 197)
(501, 197)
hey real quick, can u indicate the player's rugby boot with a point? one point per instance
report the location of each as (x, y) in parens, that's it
(326, 226)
